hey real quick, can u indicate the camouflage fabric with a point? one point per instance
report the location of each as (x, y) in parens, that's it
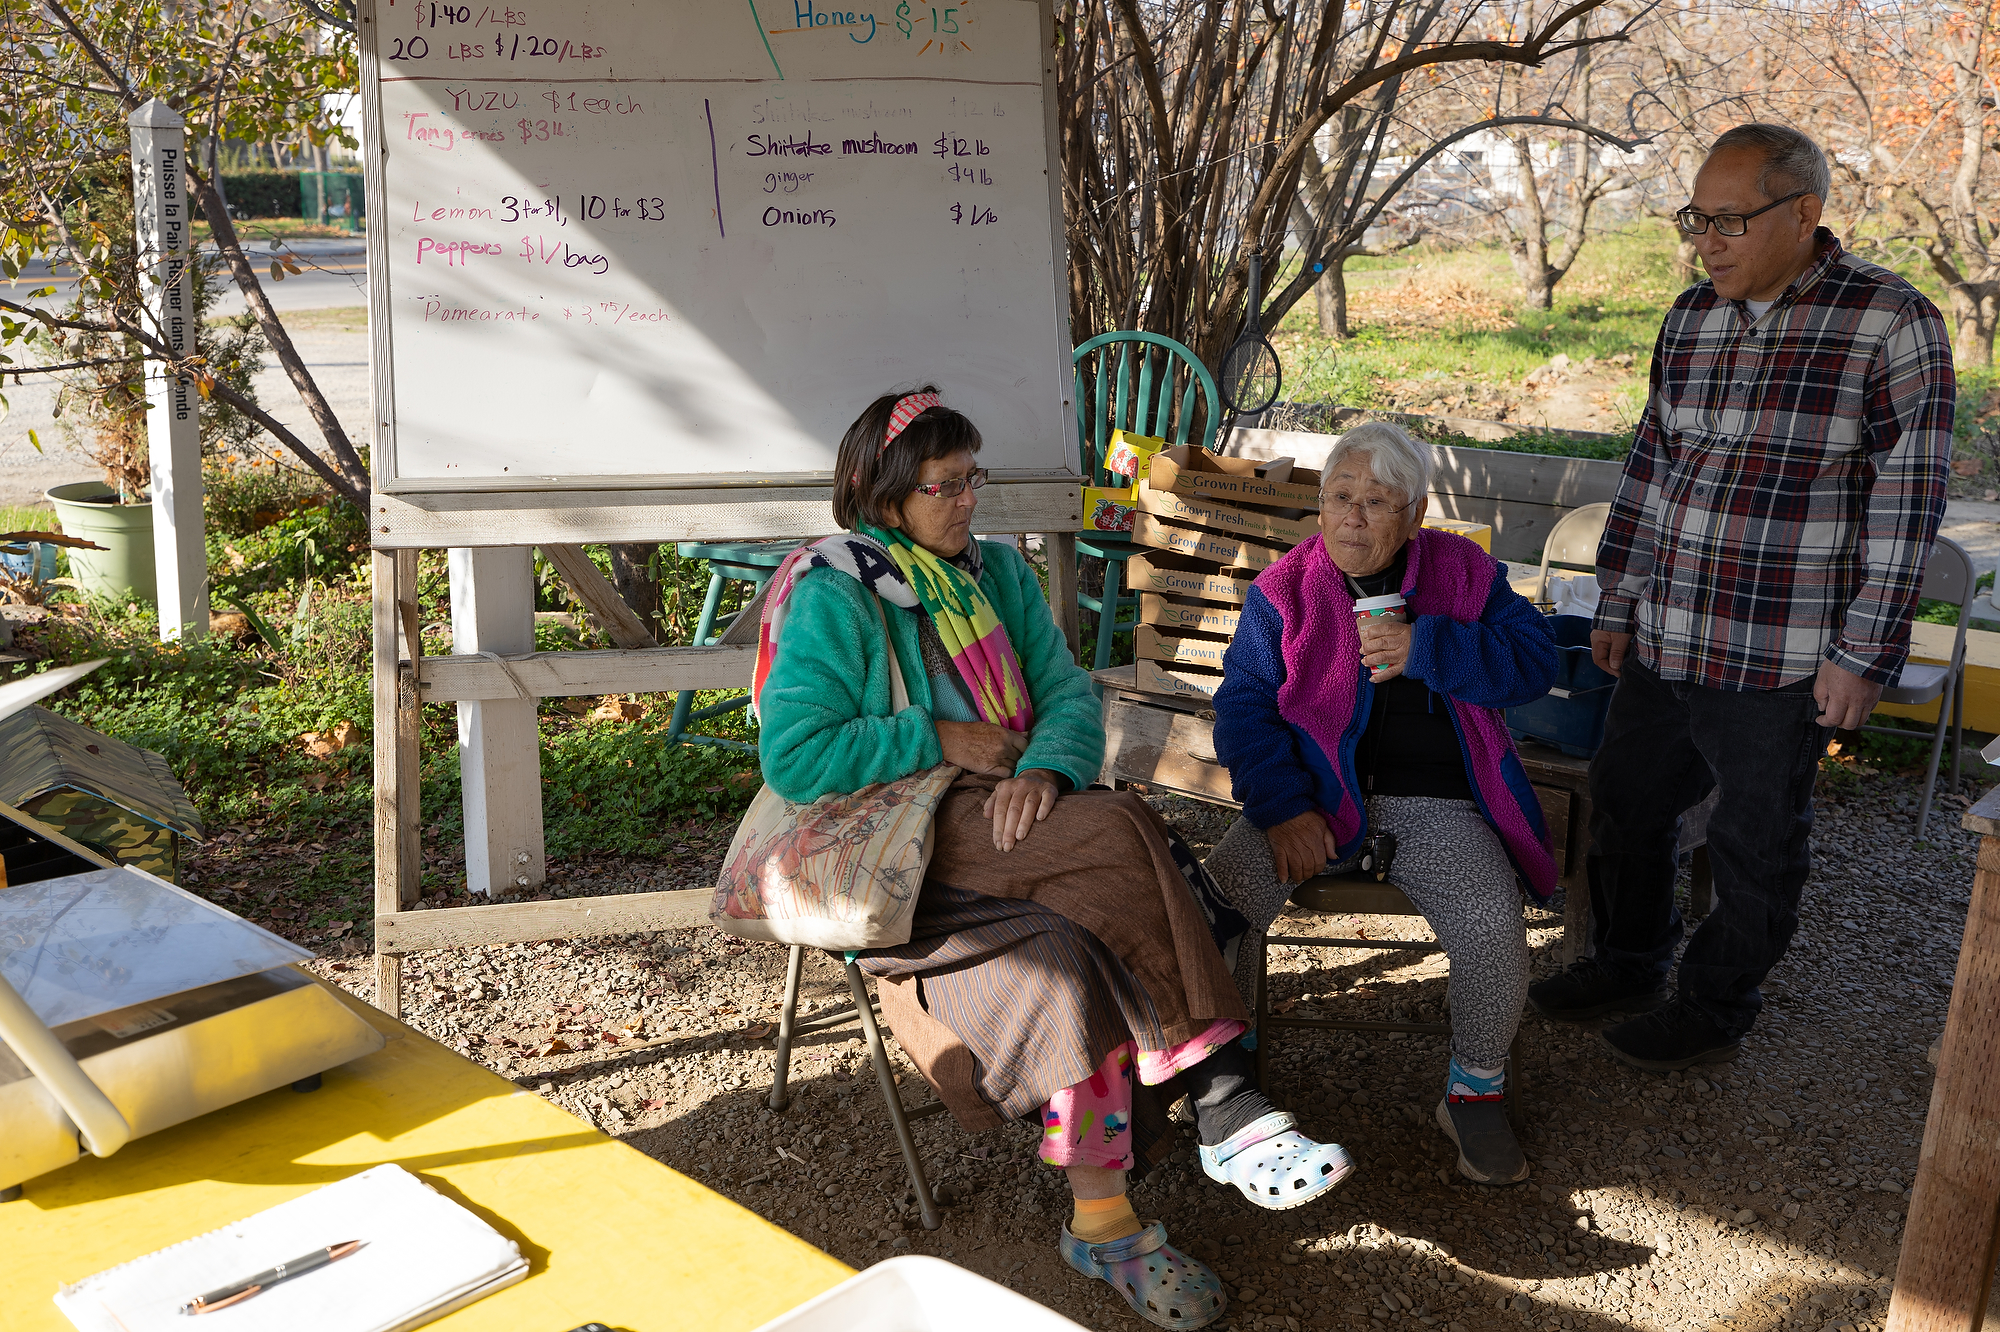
(114, 797)
(104, 827)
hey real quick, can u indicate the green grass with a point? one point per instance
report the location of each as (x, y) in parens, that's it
(1609, 305)
(28, 518)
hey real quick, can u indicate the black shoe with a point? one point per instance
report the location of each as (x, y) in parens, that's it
(1487, 1150)
(1590, 989)
(1677, 1036)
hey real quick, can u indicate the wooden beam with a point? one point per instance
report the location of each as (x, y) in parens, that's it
(1060, 547)
(724, 513)
(463, 678)
(1945, 1274)
(599, 596)
(397, 818)
(401, 932)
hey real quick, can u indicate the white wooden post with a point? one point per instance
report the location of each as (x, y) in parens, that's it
(499, 748)
(173, 427)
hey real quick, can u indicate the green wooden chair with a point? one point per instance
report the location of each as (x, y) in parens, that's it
(1148, 384)
(752, 562)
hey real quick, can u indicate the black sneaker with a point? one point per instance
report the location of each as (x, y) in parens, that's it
(1589, 989)
(1677, 1036)
(1487, 1151)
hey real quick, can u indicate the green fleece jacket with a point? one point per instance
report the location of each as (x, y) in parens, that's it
(825, 710)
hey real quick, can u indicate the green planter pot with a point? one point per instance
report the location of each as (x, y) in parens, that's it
(124, 569)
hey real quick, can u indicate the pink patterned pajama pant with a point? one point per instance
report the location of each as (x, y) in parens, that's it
(1090, 1123)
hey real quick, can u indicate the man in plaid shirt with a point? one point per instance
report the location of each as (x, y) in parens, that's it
(1759, 571)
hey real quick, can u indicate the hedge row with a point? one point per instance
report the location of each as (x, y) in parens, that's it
(274, 193)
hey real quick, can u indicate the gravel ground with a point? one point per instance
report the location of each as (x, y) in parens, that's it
(1768, 1193)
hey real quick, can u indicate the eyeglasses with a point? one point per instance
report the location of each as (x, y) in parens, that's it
(1338, 505)
(1729, 224)
(955, 487)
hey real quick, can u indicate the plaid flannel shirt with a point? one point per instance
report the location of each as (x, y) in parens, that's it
(1786, 482)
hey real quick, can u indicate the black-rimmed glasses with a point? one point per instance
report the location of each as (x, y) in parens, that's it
(955, 487)
(1729, 224)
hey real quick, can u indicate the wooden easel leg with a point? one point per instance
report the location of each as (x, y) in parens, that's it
(398, 819)
(1061, 550)
(1953, 1236)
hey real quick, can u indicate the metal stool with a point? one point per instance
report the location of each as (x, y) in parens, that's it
(750, 562)
(1358, 895)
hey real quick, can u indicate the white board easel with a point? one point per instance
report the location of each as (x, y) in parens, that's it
(635, 264)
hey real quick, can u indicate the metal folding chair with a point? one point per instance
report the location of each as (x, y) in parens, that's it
(1947, 577)
(863, 1008)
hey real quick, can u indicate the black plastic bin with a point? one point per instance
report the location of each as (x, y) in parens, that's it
(1570, 717)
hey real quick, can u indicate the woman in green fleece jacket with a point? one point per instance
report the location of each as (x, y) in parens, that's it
(1063, 960)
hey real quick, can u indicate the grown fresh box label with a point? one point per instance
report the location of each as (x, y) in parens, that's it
(1148, 575)
(1205, 653)
(1155, 609)
(1225, 517)
(1239, 554)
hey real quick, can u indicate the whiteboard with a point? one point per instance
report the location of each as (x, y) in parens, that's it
(655, 242)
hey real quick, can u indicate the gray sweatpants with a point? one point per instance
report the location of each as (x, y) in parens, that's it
(1452, 867)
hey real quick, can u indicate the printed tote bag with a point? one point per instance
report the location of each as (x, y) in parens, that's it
(841, 873)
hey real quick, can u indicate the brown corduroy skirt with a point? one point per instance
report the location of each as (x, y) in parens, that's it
(1026, 968)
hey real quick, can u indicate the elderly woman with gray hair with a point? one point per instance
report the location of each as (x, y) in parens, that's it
(1337, 724)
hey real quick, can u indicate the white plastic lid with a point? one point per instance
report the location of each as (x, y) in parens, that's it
(1394, 601)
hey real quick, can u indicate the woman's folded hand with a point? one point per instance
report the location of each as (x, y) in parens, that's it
(981, 747)
(1019, 803)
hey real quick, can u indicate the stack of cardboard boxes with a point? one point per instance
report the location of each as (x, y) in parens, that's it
(1207, 525)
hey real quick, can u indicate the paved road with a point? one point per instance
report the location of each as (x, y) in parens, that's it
(337, 280)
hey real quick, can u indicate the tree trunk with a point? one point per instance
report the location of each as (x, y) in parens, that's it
(1531, 265)
(1975, 306)
(631, 573)
(1687, 262)
(1330, 293)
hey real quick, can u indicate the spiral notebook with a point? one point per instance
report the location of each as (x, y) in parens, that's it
(422, 1256)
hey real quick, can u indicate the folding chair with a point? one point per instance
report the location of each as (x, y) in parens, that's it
(1357, 895)
(863, 1008)
(1947, 577)
(1573, 542)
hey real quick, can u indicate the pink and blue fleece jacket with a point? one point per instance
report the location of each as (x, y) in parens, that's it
(1295, 697)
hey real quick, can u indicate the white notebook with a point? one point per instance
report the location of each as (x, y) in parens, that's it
(423, 1256)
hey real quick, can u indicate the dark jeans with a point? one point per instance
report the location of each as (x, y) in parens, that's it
(1667, 743)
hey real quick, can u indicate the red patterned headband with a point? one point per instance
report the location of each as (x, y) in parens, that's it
(908, 408)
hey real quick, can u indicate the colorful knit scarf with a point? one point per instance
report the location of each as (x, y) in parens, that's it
(890, 565)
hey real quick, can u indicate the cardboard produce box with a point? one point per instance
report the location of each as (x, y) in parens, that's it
(1154, 678)
(1235, 519)
(1126, 454)
(1201, 653)
(1187, 616)
(1187, 470)
(1178, 576)
(1109, 509)
(1230, 552)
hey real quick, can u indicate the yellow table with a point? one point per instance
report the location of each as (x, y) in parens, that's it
(610, 1235)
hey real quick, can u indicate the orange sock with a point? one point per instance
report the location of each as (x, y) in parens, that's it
(1101, 1220)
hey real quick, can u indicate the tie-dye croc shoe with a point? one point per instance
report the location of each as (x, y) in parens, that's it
(1274, 1165)
(1163, 1285)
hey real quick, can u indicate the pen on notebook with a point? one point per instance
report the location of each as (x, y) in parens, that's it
(237, 1291)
